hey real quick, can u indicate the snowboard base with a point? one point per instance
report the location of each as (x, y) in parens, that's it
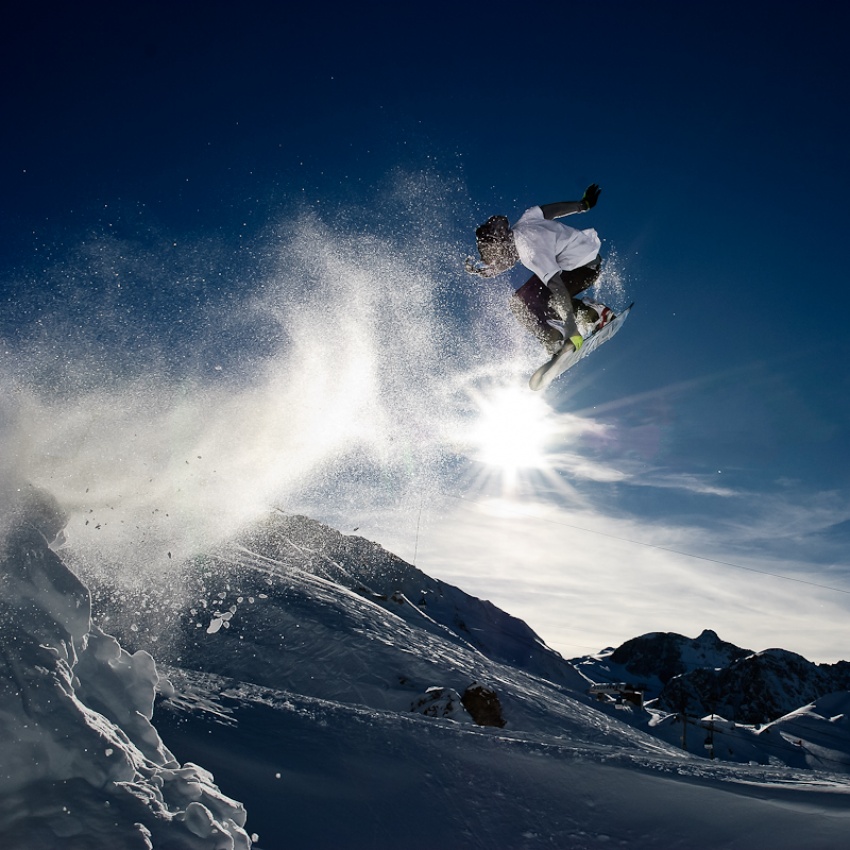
(567, 357)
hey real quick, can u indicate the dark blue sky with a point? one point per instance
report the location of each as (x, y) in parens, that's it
(716, 110)
(717, 131)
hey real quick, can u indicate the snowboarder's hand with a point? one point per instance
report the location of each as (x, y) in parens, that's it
(591, 196)
(477, 267)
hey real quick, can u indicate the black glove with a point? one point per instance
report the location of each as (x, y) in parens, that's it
(591, 196)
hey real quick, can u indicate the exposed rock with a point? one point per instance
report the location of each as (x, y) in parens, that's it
(482, 702)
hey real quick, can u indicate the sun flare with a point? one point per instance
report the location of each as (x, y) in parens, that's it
(513, 431)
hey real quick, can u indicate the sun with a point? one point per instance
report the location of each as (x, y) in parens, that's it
(513, 430)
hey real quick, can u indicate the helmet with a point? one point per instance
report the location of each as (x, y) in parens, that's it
(495, 229)
(496, 245)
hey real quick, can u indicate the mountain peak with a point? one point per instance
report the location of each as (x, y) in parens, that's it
(668, 654)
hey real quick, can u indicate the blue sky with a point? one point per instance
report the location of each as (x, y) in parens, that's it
(182, 182)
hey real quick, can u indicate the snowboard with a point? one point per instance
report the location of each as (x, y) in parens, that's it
(567, 357)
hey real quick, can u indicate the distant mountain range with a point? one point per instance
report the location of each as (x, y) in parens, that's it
(706, 675)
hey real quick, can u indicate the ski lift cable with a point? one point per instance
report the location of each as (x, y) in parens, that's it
(677, 551)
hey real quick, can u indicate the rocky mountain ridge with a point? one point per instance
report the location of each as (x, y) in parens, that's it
(709, 676)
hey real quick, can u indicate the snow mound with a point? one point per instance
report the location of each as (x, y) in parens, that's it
(82, 765)
(441, 702)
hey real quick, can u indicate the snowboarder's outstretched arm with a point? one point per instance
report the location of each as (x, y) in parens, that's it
(562, 208)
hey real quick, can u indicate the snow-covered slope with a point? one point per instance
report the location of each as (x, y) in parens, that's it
(339, 693)
(321, 676)
(296, 606)
(81, 765)
(816, 735)
(321, 774)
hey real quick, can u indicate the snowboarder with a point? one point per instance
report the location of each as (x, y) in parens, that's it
(565, 262)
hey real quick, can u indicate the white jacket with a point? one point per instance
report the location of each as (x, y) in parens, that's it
(546, 246)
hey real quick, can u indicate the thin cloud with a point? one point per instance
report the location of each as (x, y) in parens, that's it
(593, 588)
